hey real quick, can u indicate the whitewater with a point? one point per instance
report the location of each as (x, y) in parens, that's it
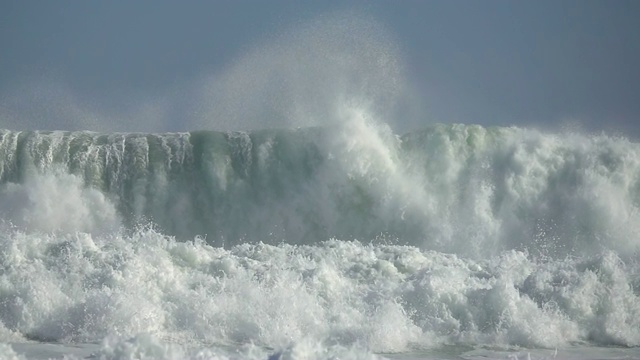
(342, 241)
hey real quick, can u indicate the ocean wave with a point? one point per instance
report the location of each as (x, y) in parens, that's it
(463, 189)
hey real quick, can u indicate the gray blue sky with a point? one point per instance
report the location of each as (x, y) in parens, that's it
(167, 65)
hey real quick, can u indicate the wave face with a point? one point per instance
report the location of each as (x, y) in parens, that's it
(460, 189)
(348, 234)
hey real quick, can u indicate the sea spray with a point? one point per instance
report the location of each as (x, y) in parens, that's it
(56, 201)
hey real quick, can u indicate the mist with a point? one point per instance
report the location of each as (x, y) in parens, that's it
(301, 77)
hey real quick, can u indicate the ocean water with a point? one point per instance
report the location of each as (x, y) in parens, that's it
(338, 242)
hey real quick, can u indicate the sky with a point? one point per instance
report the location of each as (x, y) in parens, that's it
(227, 65)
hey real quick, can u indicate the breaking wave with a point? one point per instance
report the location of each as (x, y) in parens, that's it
(351, 234)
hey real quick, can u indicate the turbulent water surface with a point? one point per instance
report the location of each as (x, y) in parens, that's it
(349, 241)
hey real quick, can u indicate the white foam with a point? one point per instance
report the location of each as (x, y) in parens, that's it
(82, 288)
